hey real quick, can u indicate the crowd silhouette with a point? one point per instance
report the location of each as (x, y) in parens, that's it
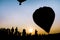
(14, 34)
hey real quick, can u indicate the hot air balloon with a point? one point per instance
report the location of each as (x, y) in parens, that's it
(20, 1)
(44, 17)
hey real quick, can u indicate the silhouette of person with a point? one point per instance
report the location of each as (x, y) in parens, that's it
(36, 32)
(12, 31)
(24, 32)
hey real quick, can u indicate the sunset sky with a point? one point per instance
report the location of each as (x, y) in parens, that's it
(14, 15)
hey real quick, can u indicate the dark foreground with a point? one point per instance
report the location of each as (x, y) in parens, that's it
(11, 34)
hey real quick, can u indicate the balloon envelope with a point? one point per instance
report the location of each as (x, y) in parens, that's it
(44, 17)
(20, 1)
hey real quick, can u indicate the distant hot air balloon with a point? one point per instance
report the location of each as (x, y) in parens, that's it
(44, 17)
(20, 1)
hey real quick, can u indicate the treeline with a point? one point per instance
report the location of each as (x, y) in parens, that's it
(14, 34)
